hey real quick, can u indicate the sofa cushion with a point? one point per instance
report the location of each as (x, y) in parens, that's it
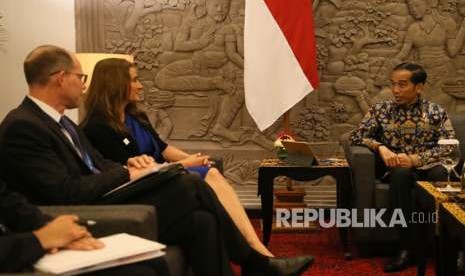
(382, 198)
(136, 220)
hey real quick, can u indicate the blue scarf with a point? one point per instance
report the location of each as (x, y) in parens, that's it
(148, 145)
(144, 139)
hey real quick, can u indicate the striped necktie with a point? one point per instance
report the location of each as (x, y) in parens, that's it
(66, 123)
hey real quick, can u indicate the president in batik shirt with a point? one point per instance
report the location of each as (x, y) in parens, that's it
(404, 134)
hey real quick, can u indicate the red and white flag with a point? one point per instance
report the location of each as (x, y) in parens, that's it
(280, 64)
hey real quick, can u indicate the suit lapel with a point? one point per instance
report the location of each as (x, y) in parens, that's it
(50, 123)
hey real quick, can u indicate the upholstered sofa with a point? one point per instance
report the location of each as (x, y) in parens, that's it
(369, 192)
(137, 220)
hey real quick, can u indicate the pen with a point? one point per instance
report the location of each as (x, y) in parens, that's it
(86, 222)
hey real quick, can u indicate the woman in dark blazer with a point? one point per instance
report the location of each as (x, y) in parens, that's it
(119, 131)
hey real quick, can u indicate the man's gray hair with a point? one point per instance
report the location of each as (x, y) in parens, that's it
(44, 61)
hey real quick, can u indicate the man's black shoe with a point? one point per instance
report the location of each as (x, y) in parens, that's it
(460, 263)
(288, 266)
(282, 267)
(401, 262)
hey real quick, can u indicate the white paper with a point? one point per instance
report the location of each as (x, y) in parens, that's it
(119, 249)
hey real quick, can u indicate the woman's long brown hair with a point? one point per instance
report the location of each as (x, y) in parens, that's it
(108, 92)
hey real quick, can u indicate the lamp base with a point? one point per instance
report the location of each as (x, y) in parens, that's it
(290, 199)
(294, 195)
(285, 228)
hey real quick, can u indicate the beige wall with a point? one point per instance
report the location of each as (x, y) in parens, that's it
(29, 23)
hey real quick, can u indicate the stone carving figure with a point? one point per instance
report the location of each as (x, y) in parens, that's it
(353, 95)
(214, 43)
(155, 106)
(431, 34)
(137, 10)
(140, 8)
(460, 40)
(432, 38)
(3, 35)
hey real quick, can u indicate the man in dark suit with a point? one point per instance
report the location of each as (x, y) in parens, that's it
(26, 235)
(47, 158)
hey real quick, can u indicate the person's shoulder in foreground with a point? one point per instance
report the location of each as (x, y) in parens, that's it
(26, 234)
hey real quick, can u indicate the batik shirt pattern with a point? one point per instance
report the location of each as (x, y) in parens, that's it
(413, 129)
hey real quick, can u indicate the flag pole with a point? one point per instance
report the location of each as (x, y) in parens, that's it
(286, 124)
(287, 130)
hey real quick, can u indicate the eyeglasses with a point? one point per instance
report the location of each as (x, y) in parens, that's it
(82, 77)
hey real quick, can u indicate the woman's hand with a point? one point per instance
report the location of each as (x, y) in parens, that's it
(141, 162)
(197, 159)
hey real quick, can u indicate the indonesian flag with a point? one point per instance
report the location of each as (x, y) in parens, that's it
(280, 64)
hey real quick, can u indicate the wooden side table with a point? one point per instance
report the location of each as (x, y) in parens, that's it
(452, 234)
(271, 168)
(429, 199)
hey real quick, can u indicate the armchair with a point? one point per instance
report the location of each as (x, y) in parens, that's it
(137, 220)
(370, 192)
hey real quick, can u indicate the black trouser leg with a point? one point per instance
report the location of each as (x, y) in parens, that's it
(204, 250)
(436, 173)
(199, 237)
(147, 268)
(179, 198)
(235, 245)
(401, 183)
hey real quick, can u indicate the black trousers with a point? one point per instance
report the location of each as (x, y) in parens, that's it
(191, 216)
(146, 268)
(401, 182)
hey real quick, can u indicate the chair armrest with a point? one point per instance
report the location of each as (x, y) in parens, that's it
(344, 140)
(362, 165)
(136, 220)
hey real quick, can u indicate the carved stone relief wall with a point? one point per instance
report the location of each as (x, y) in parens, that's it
(3, 34)
(190, 58)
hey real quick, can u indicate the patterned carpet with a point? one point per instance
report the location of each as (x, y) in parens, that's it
(325, 246)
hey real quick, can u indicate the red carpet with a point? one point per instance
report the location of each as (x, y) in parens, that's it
(324, 245)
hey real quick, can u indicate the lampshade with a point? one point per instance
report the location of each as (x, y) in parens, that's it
(88, 61)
